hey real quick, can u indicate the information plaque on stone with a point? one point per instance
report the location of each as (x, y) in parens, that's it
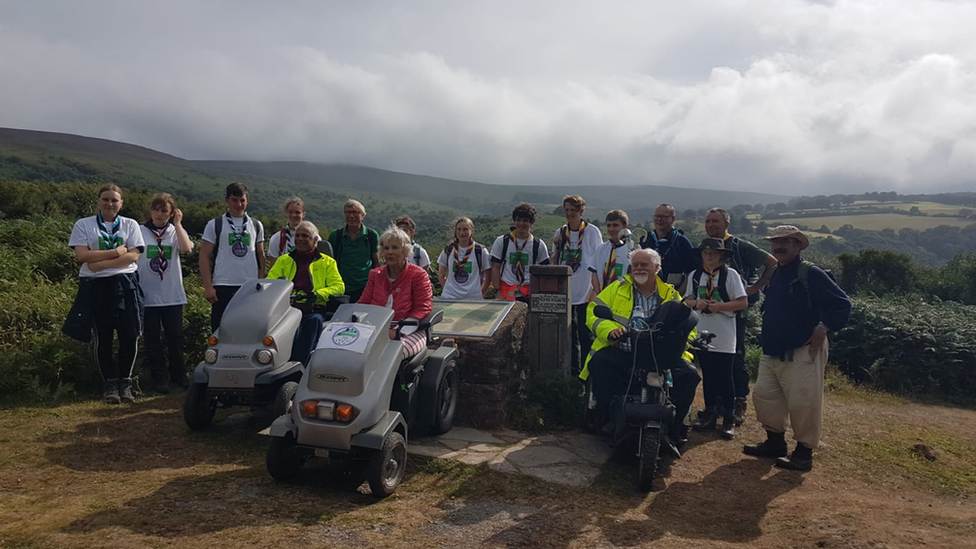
(548, 303)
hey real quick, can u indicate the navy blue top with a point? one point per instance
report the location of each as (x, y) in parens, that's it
(675, 251)
(788, 322)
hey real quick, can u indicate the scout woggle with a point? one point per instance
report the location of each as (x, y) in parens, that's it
(460, 275)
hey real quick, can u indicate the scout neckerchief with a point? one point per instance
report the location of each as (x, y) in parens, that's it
(114, 239)
(610, 270)
(284, 243)
(577, 256)
(460, 275)
(237, 236)
(710, 287)
(158, 264)
(518, 268)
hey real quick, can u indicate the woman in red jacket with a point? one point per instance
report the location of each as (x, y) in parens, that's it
(402, 286)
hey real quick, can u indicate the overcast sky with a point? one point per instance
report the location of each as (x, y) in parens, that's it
(767, 95)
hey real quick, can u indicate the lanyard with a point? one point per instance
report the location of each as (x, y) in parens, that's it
(114, 239)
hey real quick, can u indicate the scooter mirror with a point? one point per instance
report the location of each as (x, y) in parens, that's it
(604, 312)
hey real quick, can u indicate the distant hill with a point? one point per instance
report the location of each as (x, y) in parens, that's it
(45, 156)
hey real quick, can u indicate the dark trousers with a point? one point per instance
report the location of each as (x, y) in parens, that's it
(354, 295)
(581, 339)
(717, 382)
(610, 370)
(307, 337)
(224, 295)
(110, 320)
(170, 320)
(740, 374)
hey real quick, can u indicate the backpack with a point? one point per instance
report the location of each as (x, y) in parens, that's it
(739, 268)
(723, 276)
(372, 241)
(416, 254)
(535, 249)
(803, 277)
(218, 228)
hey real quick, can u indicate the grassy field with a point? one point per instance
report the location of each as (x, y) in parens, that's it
(873, 222)
(890, 473)
(930, 208)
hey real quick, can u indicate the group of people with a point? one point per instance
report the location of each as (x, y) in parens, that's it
(131, 283)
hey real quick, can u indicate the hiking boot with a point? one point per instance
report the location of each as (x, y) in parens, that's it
(741, 406)
(728, 428)
(125, 394)
(110, 391)
(800, 460)
(705, 422)
(680, 435)
(773, 447)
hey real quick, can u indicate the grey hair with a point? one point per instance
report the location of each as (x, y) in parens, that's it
(666, 205)
(725, 214)
(312, 230)
(355, 204)
(655, 257)
(394, 233)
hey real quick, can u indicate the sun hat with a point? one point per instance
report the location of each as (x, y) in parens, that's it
(789, 231)
(713, 244)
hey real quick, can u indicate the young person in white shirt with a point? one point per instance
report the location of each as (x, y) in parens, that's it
(716, 292)
(612, 259)
(237, 257)
(283, 241)
(161, 278)
(109, 299)
(575, 245)
(513, 253)
(418, 255)
(464, 266)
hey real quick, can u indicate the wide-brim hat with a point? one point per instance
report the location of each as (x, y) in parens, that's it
(789, 231)
(713, 244)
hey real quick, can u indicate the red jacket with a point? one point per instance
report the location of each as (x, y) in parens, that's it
(412, 296)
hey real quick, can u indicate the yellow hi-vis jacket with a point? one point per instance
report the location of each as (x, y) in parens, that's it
(326, 281)
(619, 296)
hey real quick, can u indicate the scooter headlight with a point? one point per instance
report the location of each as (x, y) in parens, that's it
(264, 356)
(210, 356)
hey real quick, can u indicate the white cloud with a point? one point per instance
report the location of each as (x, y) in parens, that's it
(784, 96)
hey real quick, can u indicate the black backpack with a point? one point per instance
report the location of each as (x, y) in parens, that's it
(372, 241)
(736, 263)
(723, 276)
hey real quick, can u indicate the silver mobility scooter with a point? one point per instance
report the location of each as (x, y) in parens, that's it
(359, 400)
(247, 359)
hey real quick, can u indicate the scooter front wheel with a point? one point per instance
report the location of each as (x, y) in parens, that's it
(198, 411)
(387, 465)
(282, 403)
(647, 465)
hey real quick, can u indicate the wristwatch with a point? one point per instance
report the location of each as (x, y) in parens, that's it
(821, 327)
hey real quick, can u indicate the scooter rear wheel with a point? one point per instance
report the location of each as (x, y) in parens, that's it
(647, 465)
(447, 396)
(282, 461)
(387, 465)
(282, 403)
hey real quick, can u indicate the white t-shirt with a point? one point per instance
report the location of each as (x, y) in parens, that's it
(161, 281)
(274, 243)
(236, 256)
(599, 261)
(467, 285)
(578, 255)
(508, 263)
(722, 324)
(86, 232)
(419, 251)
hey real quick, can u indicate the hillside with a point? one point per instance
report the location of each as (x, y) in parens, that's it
(27, 155)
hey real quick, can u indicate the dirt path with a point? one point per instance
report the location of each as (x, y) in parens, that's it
(86, 475)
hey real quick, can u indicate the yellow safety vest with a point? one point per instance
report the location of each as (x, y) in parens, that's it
(326, 280)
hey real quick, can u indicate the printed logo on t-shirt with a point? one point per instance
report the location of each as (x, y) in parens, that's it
(153, 251)
(239, 243)
(513, 259)
(618, 270)
(572, 258)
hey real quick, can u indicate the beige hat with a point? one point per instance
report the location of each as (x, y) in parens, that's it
(789, 231)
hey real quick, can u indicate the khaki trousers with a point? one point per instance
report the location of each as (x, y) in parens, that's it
(791, 393)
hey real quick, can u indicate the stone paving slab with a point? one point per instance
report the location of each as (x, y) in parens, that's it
(570, 458)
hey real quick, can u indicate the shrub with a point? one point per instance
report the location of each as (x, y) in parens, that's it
(550, 401)
(910, 345)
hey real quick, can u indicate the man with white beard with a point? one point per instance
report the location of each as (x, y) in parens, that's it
(641, 291)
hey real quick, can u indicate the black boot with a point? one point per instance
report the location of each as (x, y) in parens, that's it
(110, 391)
(741, 405)
(728, 428)
(125, 390)
(800, 460)
(706, 422)
(773, 447)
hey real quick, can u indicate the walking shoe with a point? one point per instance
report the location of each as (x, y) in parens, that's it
(741, 406)
(125, 394)
(706, 423)
(800, 460)
(110, 391)
(728, 428)
(773, 447)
